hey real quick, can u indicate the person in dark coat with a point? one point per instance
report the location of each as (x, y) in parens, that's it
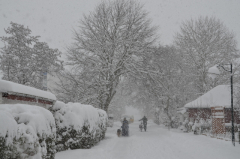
(125, 127)
(144, 119)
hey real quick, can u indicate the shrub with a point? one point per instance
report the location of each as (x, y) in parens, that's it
(26, 131)
(78, 126)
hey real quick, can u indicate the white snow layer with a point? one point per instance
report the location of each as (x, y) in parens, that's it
(20, 119)
(213, 72)
(103, 117)
(182, 110)
(157, 143)
(75, 114)
(7, 86)
(8, 126)
(218, 96)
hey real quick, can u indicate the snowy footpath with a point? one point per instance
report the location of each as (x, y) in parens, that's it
(157, 143)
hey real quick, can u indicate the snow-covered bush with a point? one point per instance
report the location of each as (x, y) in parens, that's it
(102, 124)
(206, 126)
(26, 132)
(185, 126)
(78, 126)
(175, 122)
(201, 126)
(190, 124)
(8, 133)
(196, 128)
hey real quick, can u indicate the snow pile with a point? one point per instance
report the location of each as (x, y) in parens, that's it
(78, 125)
(11, 87)
(26, 130)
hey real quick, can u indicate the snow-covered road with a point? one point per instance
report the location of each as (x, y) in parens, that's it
(156, 143)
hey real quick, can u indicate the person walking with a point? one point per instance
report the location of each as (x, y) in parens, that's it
(144, 119)
(125, 131)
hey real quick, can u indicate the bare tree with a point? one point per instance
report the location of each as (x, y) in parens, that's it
(204, 43)
(167, 82)
(163, 88)
(109, 44)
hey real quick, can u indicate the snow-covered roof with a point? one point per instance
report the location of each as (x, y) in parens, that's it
(11, 87)
(218, 96)
(181, 110)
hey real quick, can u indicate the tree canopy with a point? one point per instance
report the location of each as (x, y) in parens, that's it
(203, 43)
(24, 59)
(110, 43)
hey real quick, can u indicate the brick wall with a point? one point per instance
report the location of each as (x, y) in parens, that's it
(205, 113)
(228, 116)
(197, 113)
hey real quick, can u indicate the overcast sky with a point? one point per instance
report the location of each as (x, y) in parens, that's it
(54, 20)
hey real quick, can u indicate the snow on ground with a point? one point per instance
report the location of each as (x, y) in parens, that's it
(157, 143)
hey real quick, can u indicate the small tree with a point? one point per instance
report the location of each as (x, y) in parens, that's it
(24, 59)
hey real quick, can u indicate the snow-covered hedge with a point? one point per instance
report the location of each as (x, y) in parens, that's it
(78, 126)
(26, 131)
(102, 125)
